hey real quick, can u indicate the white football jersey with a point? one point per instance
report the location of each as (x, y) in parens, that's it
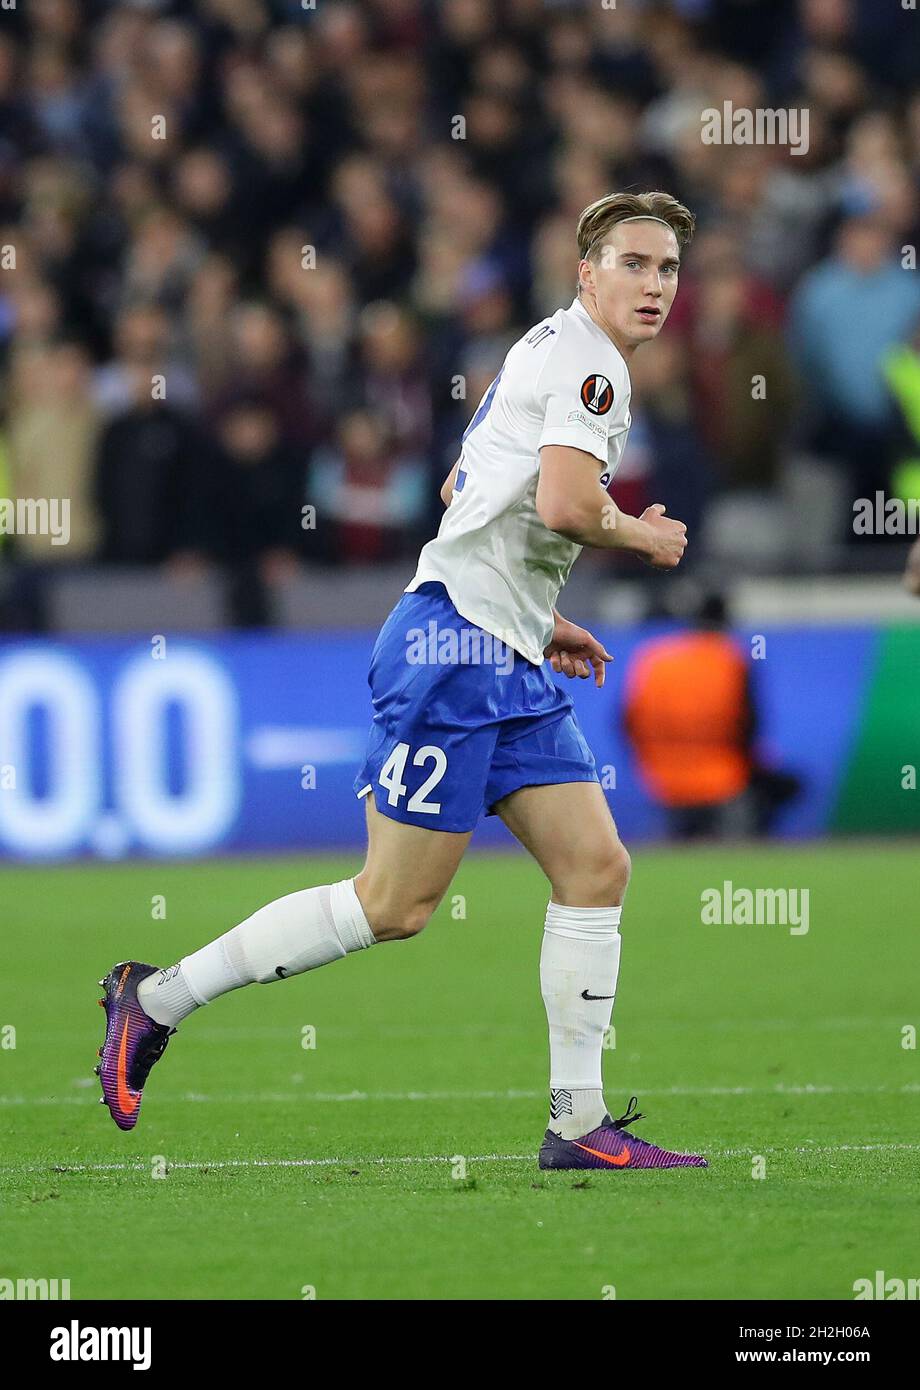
(564, 382)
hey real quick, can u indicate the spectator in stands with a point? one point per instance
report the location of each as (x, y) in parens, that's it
(142, 349)
(204, 341)
(665, 455)
(320, 297)
(179, 251)
(740, 380)
(265, 362)
(53, 429)
(144, 456)
(369, 502)
(846, 314)
(392, 378)
(247, 497)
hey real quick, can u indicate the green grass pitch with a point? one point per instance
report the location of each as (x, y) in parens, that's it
(330, 1167)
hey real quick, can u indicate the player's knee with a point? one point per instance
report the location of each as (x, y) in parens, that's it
(620, 869)
(599, 878)
(610, 874)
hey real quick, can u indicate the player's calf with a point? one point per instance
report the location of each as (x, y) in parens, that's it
(407, 873)
(393, 913)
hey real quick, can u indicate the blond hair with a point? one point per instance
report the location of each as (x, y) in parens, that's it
(599, 219)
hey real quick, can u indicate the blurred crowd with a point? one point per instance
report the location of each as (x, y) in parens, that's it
(267, 255)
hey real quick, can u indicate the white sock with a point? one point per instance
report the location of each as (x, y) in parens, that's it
(580, 956)
(290, 935)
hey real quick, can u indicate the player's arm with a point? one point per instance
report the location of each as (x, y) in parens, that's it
(570, 502)
(447, 487)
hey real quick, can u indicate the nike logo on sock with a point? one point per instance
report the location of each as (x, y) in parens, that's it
(586, 995)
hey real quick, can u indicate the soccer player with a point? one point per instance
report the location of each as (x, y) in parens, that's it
(486, 729)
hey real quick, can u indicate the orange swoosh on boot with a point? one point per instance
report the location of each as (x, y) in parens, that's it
(126, 1102)
(618, 1160)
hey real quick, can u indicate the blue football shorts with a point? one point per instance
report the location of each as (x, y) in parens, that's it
(460, 719)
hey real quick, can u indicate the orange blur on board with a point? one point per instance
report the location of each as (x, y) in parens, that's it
(688, 717)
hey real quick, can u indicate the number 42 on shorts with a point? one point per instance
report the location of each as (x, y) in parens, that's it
(391, 775)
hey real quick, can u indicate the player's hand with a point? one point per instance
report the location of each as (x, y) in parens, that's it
(669, 538)
(574, 652)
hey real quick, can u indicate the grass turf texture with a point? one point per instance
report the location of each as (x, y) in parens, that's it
(716, 1029)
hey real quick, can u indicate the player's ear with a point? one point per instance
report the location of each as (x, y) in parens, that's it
(585, 275)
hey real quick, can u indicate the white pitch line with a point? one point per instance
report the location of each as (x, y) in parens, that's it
(323, 1097)
(380, 1161)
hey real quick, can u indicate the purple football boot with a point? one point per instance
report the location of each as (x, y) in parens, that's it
(610, 1146)
(133, 1042)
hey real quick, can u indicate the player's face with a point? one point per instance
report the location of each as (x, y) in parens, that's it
(632, 281)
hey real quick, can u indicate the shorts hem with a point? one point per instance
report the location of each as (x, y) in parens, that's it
(408, 818)
(548, 781)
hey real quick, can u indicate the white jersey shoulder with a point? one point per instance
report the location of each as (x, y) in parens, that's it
(564, 382)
